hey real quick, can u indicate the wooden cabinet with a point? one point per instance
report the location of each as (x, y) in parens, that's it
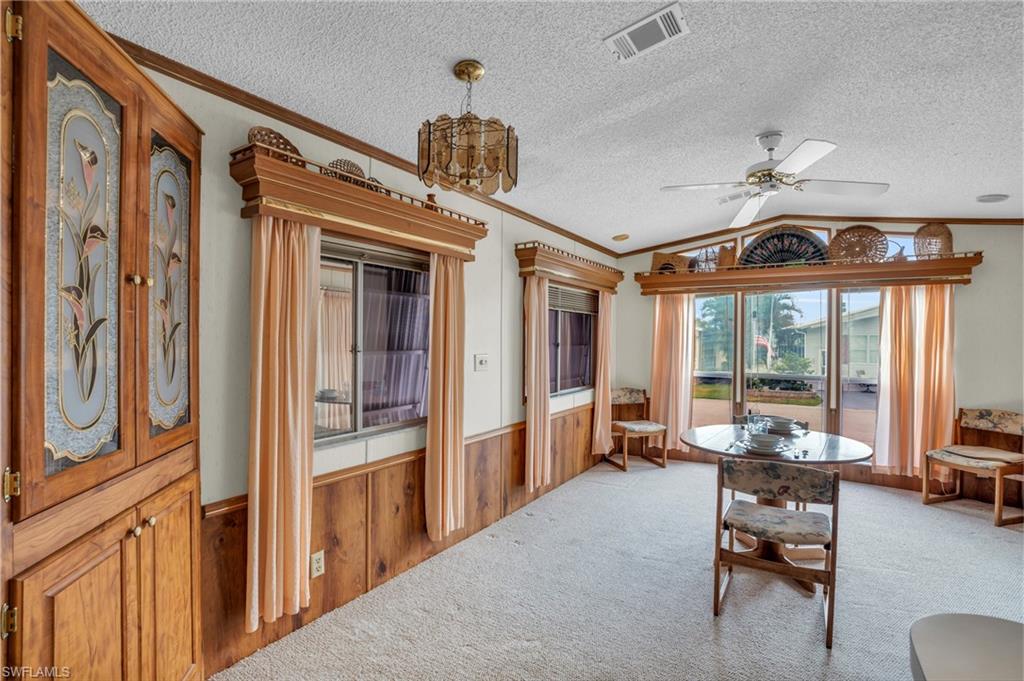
(99, 546)
(168, 572)
(106, 287)
(119, 603)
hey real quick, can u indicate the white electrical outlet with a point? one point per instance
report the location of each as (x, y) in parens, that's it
(316, 564)
(480, 363)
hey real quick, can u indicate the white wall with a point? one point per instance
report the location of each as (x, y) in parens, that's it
(989, 312)
(493, 301)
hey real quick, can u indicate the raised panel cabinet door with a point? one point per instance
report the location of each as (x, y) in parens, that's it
(169, 578)
(78, 609)
(168, 305)
(75, 197)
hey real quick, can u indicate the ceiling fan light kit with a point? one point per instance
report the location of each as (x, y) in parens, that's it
(768, 178)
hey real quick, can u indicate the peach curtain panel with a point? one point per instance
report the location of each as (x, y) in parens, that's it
(538, 383)
(445, 467)
(285, 271)
(672, 364)
(916, 403)
(334, 357)
(602, 440)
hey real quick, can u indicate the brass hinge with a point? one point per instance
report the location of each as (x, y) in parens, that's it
(12, 25)
(12, 484)
(8, 620)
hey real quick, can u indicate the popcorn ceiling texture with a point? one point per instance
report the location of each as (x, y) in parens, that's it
(926, 96)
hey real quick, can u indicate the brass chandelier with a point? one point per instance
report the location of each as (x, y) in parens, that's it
(468, 153)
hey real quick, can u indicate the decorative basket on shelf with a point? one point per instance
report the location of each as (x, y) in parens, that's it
(348, 171)
(373, 184)
(706, 260)
(933, 238)
(862, 243)
(272, 138)
(727, 255)
(669, 263)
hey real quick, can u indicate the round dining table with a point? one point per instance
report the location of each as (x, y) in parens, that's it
(809, 448)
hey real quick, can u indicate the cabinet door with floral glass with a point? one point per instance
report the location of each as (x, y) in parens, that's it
(167, 319)
(76, 131)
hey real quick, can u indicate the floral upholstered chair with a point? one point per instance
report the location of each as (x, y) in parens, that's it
(987, 443)
(640, 429)
(774, 526)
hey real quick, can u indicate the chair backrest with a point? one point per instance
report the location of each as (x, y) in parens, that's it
(776, 480)
(990, 428)
(628, 395)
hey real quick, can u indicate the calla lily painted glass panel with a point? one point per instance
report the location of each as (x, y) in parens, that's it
(83, 173)
(168, 295)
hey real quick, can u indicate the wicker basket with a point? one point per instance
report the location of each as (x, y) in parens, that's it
(272, 138)
(669, 263)
(933, 238)
(862, 243)
(348, 171)
(727, 255)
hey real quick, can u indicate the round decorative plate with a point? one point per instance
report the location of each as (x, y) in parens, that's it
(785, 244)
(860, 242)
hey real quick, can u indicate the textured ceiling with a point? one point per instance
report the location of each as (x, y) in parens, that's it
(926, 96)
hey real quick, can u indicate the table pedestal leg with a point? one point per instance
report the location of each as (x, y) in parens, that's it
(779, 553)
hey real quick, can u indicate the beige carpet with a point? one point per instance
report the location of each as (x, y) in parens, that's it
(609, 577)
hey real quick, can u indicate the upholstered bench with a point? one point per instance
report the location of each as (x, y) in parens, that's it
(980, 427)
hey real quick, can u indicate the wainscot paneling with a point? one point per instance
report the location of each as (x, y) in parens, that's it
(369, 521)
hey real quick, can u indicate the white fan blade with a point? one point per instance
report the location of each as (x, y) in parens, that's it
(718, 185)
(749, 211)
(842, 188)
(807, 153)
(736, 196)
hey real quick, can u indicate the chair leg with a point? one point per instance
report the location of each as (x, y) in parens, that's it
(830, 597)
(716, 598)
(926, 478)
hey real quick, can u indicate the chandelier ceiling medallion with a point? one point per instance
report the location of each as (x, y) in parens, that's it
(468, 153)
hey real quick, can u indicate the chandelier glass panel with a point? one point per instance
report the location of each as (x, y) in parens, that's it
(468, 153)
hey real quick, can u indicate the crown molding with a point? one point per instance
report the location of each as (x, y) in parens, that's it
(202, 81)
(537, 259)
(680, 243)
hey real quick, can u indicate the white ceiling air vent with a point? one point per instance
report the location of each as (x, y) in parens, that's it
(648, 34)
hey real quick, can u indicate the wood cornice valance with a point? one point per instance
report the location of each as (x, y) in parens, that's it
(954, 268)
(538, 259)
(296, 189)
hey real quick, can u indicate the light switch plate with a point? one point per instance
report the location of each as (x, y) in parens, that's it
(316, 564)
(481, 363)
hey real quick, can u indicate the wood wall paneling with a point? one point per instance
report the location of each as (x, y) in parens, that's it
(370, 524)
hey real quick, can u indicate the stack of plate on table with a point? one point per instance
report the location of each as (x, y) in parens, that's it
(764, 444)
(782, 425)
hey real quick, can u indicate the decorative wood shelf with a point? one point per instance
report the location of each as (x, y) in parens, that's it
(346, 204)
(540, 259)
(954, 268)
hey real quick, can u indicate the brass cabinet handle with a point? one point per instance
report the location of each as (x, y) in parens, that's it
(135, 279)
(151, 520)
(150, 282)
(137, 531)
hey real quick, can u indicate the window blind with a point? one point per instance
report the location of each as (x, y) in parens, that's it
(572, 300)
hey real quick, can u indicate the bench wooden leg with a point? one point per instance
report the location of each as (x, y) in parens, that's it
(927, 497)
(1000, 491)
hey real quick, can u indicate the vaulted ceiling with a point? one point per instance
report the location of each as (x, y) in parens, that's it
(924, 95)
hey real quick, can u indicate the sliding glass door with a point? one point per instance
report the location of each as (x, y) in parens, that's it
(714, 359)
(858, 363)
(785, 351)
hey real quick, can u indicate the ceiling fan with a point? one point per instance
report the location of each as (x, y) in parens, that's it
(767, 178)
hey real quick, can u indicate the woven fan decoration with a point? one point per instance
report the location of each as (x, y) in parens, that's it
(860, 242)
(784, 244)
(272, 138)
(347, 169)
(933, 238)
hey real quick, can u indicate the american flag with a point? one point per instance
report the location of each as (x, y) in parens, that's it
(763, 342)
